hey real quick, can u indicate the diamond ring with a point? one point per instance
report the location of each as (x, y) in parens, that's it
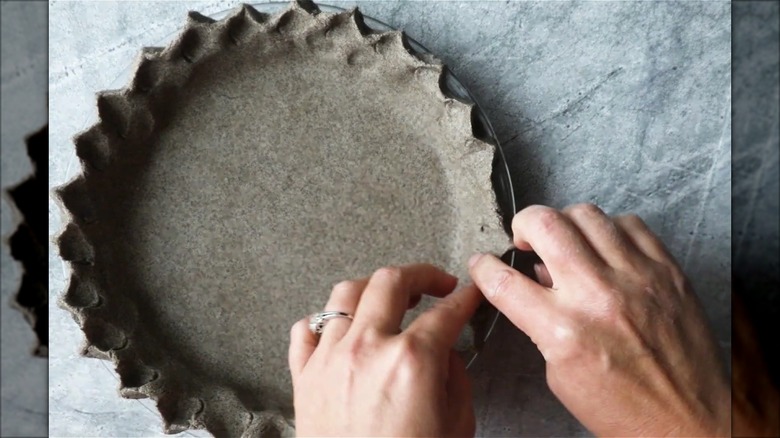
(318, 320)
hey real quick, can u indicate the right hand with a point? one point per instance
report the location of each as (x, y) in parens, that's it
(627, 345)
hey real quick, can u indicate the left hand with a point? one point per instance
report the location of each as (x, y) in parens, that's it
(366, 377)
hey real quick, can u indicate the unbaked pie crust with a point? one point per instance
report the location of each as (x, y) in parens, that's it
(245, 169)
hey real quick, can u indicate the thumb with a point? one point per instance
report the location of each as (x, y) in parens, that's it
(527, 304)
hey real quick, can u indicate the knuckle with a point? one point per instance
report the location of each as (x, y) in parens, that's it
(388, 273)
(352, 353)
(633, 217)
(447, 306)
(344, 287)
(567, 341)
(371, 337)
(674, 271)
(521, 218)
(548, 220)
(502, 284)
(661, 272)
(678, 277)
(355, 347)
(586, 210)
(634, 220)
(605, 309)
(407, 345)
(368, 337)
(409, 352)
(604, 300)
(565, 333)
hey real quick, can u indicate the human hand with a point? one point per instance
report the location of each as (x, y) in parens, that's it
(627, 345)
(755, 396)
(366, 377)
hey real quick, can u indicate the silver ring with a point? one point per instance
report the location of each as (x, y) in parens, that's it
(318, 320)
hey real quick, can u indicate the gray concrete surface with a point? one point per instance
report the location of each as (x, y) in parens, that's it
(756, 189)
(626, 104)
(755, 161)
(23, 103)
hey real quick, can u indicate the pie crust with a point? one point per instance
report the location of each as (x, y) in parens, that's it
(245, 169)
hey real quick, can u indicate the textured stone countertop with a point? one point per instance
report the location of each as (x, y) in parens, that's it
(625, 104)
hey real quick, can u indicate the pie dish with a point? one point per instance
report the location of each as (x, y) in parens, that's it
(245, 169)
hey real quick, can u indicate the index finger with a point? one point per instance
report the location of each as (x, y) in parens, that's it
(387, 294)
(444, 321)
(556, 240)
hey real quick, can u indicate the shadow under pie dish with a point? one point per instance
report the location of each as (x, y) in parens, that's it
(28, 241)
(246, 168)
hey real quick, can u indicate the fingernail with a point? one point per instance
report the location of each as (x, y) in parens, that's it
(474, 259)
